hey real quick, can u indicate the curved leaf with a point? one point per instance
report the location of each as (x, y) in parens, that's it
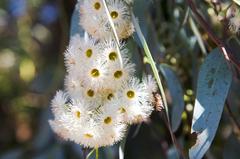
(176, 93)
(140, 9)
(213, 84)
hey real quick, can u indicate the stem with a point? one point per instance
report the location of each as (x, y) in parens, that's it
(225, 50)
(176, 144)
(114, 31)
(157, 77)
(90, 154)
(97, 154)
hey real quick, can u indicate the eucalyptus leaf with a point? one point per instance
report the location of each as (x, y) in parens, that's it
(176, 93)
(198, 35)
(212, 89)
(140, 9)
(75, 26)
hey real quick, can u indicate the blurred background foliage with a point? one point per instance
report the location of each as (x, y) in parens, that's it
(33, 37)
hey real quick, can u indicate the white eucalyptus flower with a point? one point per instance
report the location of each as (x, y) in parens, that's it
(102, 96)
(93, 18)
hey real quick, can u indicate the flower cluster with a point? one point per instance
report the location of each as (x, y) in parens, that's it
(94, 19)
(101, 95)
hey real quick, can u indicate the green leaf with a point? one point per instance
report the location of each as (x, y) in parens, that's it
(213, 85)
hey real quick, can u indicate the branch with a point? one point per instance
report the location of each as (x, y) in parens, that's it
(225, 50)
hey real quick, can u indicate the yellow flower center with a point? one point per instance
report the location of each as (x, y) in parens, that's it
(122, 110)
(131, 94)
(118, 74)
(97, 5)
(108, 120)
(95, 73)
(87, 135)
(113, 56)
(110, 96)
(89, 53)
(114, 14)
(90, 93)
(78, 114)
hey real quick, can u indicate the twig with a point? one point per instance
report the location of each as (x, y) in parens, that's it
(97, 153)
(90, 154)
(225, 50)
(177, 146)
